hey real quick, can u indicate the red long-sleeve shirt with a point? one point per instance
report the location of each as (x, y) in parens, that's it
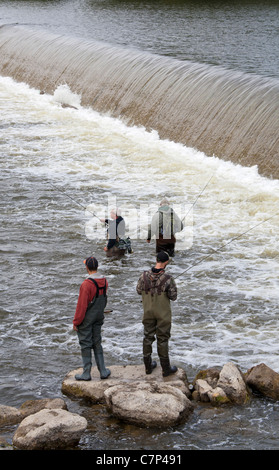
(87, 293)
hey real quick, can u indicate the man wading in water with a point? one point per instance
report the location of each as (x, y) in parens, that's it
(157, 289)
(164, 225)
(115, 231)
(89, 318)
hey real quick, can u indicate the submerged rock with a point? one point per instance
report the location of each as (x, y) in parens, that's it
(12, 415)
(30, 407)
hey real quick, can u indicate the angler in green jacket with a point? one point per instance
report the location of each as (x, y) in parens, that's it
(157, 289)
(164, 225)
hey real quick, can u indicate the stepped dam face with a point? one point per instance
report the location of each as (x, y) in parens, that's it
(224, 113)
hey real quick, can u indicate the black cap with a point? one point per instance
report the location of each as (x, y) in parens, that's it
(162, 257)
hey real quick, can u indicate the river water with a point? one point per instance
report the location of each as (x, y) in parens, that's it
(58, 165)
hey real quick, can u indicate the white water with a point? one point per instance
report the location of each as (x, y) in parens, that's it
(227, 307)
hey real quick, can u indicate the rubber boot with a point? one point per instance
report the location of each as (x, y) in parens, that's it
(99, 358)
(87, 364)
(166, 367)
(149, 364)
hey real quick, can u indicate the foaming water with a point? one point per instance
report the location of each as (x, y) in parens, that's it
(221, 112)
(227, 304)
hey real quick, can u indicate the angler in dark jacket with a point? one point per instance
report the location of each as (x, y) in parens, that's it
(157, 290)
(115, 231)
(89, 318)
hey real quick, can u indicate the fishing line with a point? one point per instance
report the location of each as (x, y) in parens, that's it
(192, 205)
(227, 243)
(70, 197)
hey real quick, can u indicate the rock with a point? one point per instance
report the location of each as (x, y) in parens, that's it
(95, 388)
(9, 415)
(211, 376)
(4, 445)
(203, 388)
(49, 429)
(206, 393)
(65, 105)
(217, 396)
(264, 380)
(150, 404)
(219, 387)
(232, 382)
(30, 407)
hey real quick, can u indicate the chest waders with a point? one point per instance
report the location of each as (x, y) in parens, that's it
(166, 240)
(157, 324)
(89, 335)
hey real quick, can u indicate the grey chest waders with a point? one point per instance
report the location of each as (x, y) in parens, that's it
(89, 335)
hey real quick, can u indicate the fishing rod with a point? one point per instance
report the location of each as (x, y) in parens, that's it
(70, 197)
(227, 243)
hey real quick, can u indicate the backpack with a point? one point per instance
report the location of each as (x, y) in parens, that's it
(124, 244)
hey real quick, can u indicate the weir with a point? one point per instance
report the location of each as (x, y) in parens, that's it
(224, 113)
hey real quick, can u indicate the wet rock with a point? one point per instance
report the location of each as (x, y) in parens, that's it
(203, 388)
(264, 380)
(49, 429)
(9, 415)
(12, 415)
(65, 105)
(95, 388)
(4, 445)
(231, 380)
(148, 404)
(30, 407)
(217, 396)
(211, 376)
(219, 387)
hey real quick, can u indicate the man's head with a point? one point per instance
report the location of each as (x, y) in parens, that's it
(164, 202)
(162, 259)
(114, 213)
(91, 264)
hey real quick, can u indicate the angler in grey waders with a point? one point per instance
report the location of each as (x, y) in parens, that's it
(89, 318)
(157, 289)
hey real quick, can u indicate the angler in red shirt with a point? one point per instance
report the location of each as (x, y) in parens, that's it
(89, 318)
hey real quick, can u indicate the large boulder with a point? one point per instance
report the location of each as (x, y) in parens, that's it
(49, 430)
(94, 389)
(263, 380)
(148, 404)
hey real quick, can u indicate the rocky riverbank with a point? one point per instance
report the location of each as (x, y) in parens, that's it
(136, 398)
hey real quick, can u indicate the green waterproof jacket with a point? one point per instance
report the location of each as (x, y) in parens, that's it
(157, 289)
